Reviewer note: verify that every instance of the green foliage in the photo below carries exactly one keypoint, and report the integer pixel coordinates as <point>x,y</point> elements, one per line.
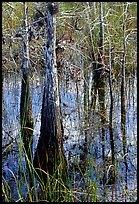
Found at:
<point>49,192</point>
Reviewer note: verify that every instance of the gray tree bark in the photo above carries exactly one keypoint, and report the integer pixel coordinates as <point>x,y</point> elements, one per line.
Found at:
<point>101,86</point>
<point>26,119</point>
<point>49,155</point>
<point>113,178</point>
<point>123,97</point>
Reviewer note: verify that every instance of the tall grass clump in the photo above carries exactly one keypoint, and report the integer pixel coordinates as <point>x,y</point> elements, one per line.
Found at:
<point>30,188</point>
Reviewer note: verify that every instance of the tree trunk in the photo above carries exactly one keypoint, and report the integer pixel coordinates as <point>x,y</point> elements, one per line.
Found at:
<point>101,87</point>
<point>123,110</point>
<point>49,155</point>
<point>111,106</point>
<point>113,178</point>
<point>26,118</point>
<point>94,65</point>
<point>123,96</point>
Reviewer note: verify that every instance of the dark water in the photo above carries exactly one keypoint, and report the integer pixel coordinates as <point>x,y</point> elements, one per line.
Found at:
<point>73,120</point>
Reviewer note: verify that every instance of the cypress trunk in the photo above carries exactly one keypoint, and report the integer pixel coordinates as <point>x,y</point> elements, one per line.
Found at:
<point>123,97</point>
<point>112,178</point>
<point>101,88</point>
<point>49,155</point>
<point>26,119</point>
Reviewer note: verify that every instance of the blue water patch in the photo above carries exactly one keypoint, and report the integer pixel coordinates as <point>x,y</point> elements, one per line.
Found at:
<point>76,132</point>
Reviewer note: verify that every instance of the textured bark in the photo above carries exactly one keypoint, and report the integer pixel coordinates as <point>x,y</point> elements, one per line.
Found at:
<point>123,109</point>
<point>49,155</point>
<point>112,178</point>
<point>94,85</point>
<point>101,87</point>
<point>111,107</point>
<point>26,119</point>
<point>94,65</point>
<point>123,96</point>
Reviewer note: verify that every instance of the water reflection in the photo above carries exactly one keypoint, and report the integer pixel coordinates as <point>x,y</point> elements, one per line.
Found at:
<point>74,136</point>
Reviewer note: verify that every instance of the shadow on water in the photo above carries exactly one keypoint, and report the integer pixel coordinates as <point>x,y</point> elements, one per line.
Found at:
<point>82,138</point>
<point>14,161</point>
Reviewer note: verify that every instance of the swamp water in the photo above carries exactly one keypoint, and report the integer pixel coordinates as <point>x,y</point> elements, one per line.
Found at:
<point>76,130</point>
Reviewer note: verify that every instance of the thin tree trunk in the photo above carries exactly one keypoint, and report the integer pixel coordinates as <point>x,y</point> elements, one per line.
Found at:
<point>49,155</point>
<point>85,92</point>
<point>101,87</point>
<point>26,105</point>
<point>123,95</point>
<point>111,115</point>
<point>94,66</point>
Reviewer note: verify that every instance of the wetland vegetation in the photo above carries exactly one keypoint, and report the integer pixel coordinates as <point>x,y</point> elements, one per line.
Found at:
<point>69,101</point>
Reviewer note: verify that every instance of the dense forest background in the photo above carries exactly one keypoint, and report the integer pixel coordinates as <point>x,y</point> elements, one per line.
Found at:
<point>79,22</point>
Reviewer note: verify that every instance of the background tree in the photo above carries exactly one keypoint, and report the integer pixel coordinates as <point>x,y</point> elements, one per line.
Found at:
<point>123,96</point>
<point>26,118</point>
